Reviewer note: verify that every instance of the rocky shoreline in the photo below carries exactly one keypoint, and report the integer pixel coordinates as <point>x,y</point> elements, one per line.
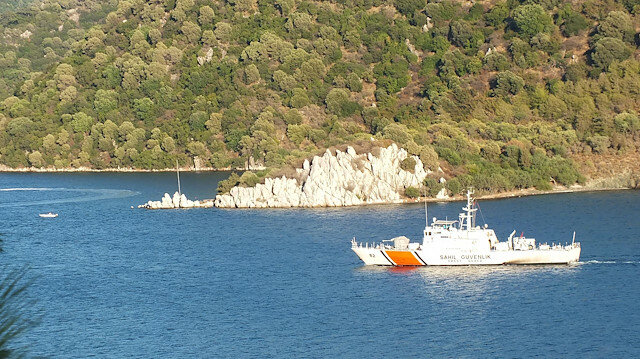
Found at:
<point>520,193</point>
<point>351,179</point>
<point>177,201</point>
<point>334,180</point>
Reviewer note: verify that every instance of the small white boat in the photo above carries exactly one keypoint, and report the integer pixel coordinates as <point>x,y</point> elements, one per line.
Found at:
<point>48,215</point>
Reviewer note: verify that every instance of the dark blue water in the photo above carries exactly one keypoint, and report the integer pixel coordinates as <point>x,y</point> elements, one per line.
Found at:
<point>117,282</point>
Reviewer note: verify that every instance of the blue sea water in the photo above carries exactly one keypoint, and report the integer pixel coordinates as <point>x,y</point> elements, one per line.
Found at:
<point>112,281</point>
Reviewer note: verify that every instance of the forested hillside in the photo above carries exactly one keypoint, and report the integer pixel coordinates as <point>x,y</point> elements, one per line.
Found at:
<point>6,5</point>
<point>500,95</point>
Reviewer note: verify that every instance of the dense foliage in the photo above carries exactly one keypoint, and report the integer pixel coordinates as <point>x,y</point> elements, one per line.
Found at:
<point>8,5</point>
<point>500,95</point>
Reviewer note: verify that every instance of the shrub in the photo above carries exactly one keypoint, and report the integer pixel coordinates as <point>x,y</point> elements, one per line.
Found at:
<point>495,61</point>
<point>249,179</point>
<point>433,186</point>
<point>575,72</point>
<point>412,192</point>
<point>408,164</point>
<point>449,155</point>
<point>626,122</point>
<point>572,22</point>
<point>397,133</point>
<point>429,157</point>
<point>508,83</point>
<point>497,15</point>
<point>543,185</point>
<point>454,186</point>
<point>408,7</point>
<point>225,186</point>
<point>461,33</point>
<point>599,143</point>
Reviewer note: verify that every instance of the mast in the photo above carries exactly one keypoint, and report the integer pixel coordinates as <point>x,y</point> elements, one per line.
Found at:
<point>469,209</point>
<point>178,174</point>
<point>426,217</point>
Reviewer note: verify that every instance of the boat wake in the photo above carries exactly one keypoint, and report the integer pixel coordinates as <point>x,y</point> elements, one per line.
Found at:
<point>610,262</point>
<point>86,195</point>
<point>29,189</point>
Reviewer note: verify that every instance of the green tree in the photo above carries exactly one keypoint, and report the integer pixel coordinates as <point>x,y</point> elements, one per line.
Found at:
<point>191,31</point>
<point>507,83</point>
<point>608,50</point>
<point>336,100</point>
<point>572,22</point>
<point>497,15</point>
<point>206,15</point>
<point>495,61</point>
<point>618,25</point>
<point>531,19</point>
<point>397,133</point>
<point>409,7</point>
<point>81,122</point>
<point>105,101</point>
<point>36,159</point>
<point>627,122</point>
<point>251,74</point>
<point>144,109</point>
<point>225,186</point>
<point>299,98</point>
<point>461,33</point>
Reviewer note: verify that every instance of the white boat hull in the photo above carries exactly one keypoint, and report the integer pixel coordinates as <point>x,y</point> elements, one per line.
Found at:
<point>422,257</point>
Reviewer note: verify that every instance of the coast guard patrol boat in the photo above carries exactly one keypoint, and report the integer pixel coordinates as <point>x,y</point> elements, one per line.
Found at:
<point>461,242</point>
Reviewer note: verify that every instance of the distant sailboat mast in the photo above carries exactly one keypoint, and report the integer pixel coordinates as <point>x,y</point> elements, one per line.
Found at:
<point>426,216</point>
<point>178,174</point>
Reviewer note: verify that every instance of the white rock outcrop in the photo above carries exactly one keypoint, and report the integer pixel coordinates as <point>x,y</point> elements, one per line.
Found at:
<point>343,179</point>
<point>206,58</point>
<point>177,201</point>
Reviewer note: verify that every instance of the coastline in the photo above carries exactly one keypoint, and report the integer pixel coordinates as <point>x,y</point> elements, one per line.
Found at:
<point>502,195</point>
<point>519,193</point>
<point>5,169</point>
<point>622,181</point>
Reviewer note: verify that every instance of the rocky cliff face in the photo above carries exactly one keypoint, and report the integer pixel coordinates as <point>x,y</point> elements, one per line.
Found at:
<point>343,179</point>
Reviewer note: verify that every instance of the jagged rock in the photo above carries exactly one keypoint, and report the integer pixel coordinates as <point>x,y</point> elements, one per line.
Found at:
<point>443,194</point>
<point>343,179</point>
<point>206,58</point>
<point>177,201</point>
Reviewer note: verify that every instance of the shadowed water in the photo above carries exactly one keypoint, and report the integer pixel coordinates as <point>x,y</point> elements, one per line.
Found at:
<point>118,282</point>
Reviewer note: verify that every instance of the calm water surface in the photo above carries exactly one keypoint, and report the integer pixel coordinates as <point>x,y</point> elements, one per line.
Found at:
<point>117,282</point>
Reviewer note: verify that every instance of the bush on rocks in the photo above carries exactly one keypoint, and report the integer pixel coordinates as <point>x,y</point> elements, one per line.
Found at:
<point>433,186</point>
<point>412,192</point>
<point>408,164</point>
<point>225,186</point>
<point>249,179</point>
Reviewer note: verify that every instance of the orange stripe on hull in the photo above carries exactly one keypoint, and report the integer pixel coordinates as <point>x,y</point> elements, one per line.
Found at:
<point>403,258</point>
